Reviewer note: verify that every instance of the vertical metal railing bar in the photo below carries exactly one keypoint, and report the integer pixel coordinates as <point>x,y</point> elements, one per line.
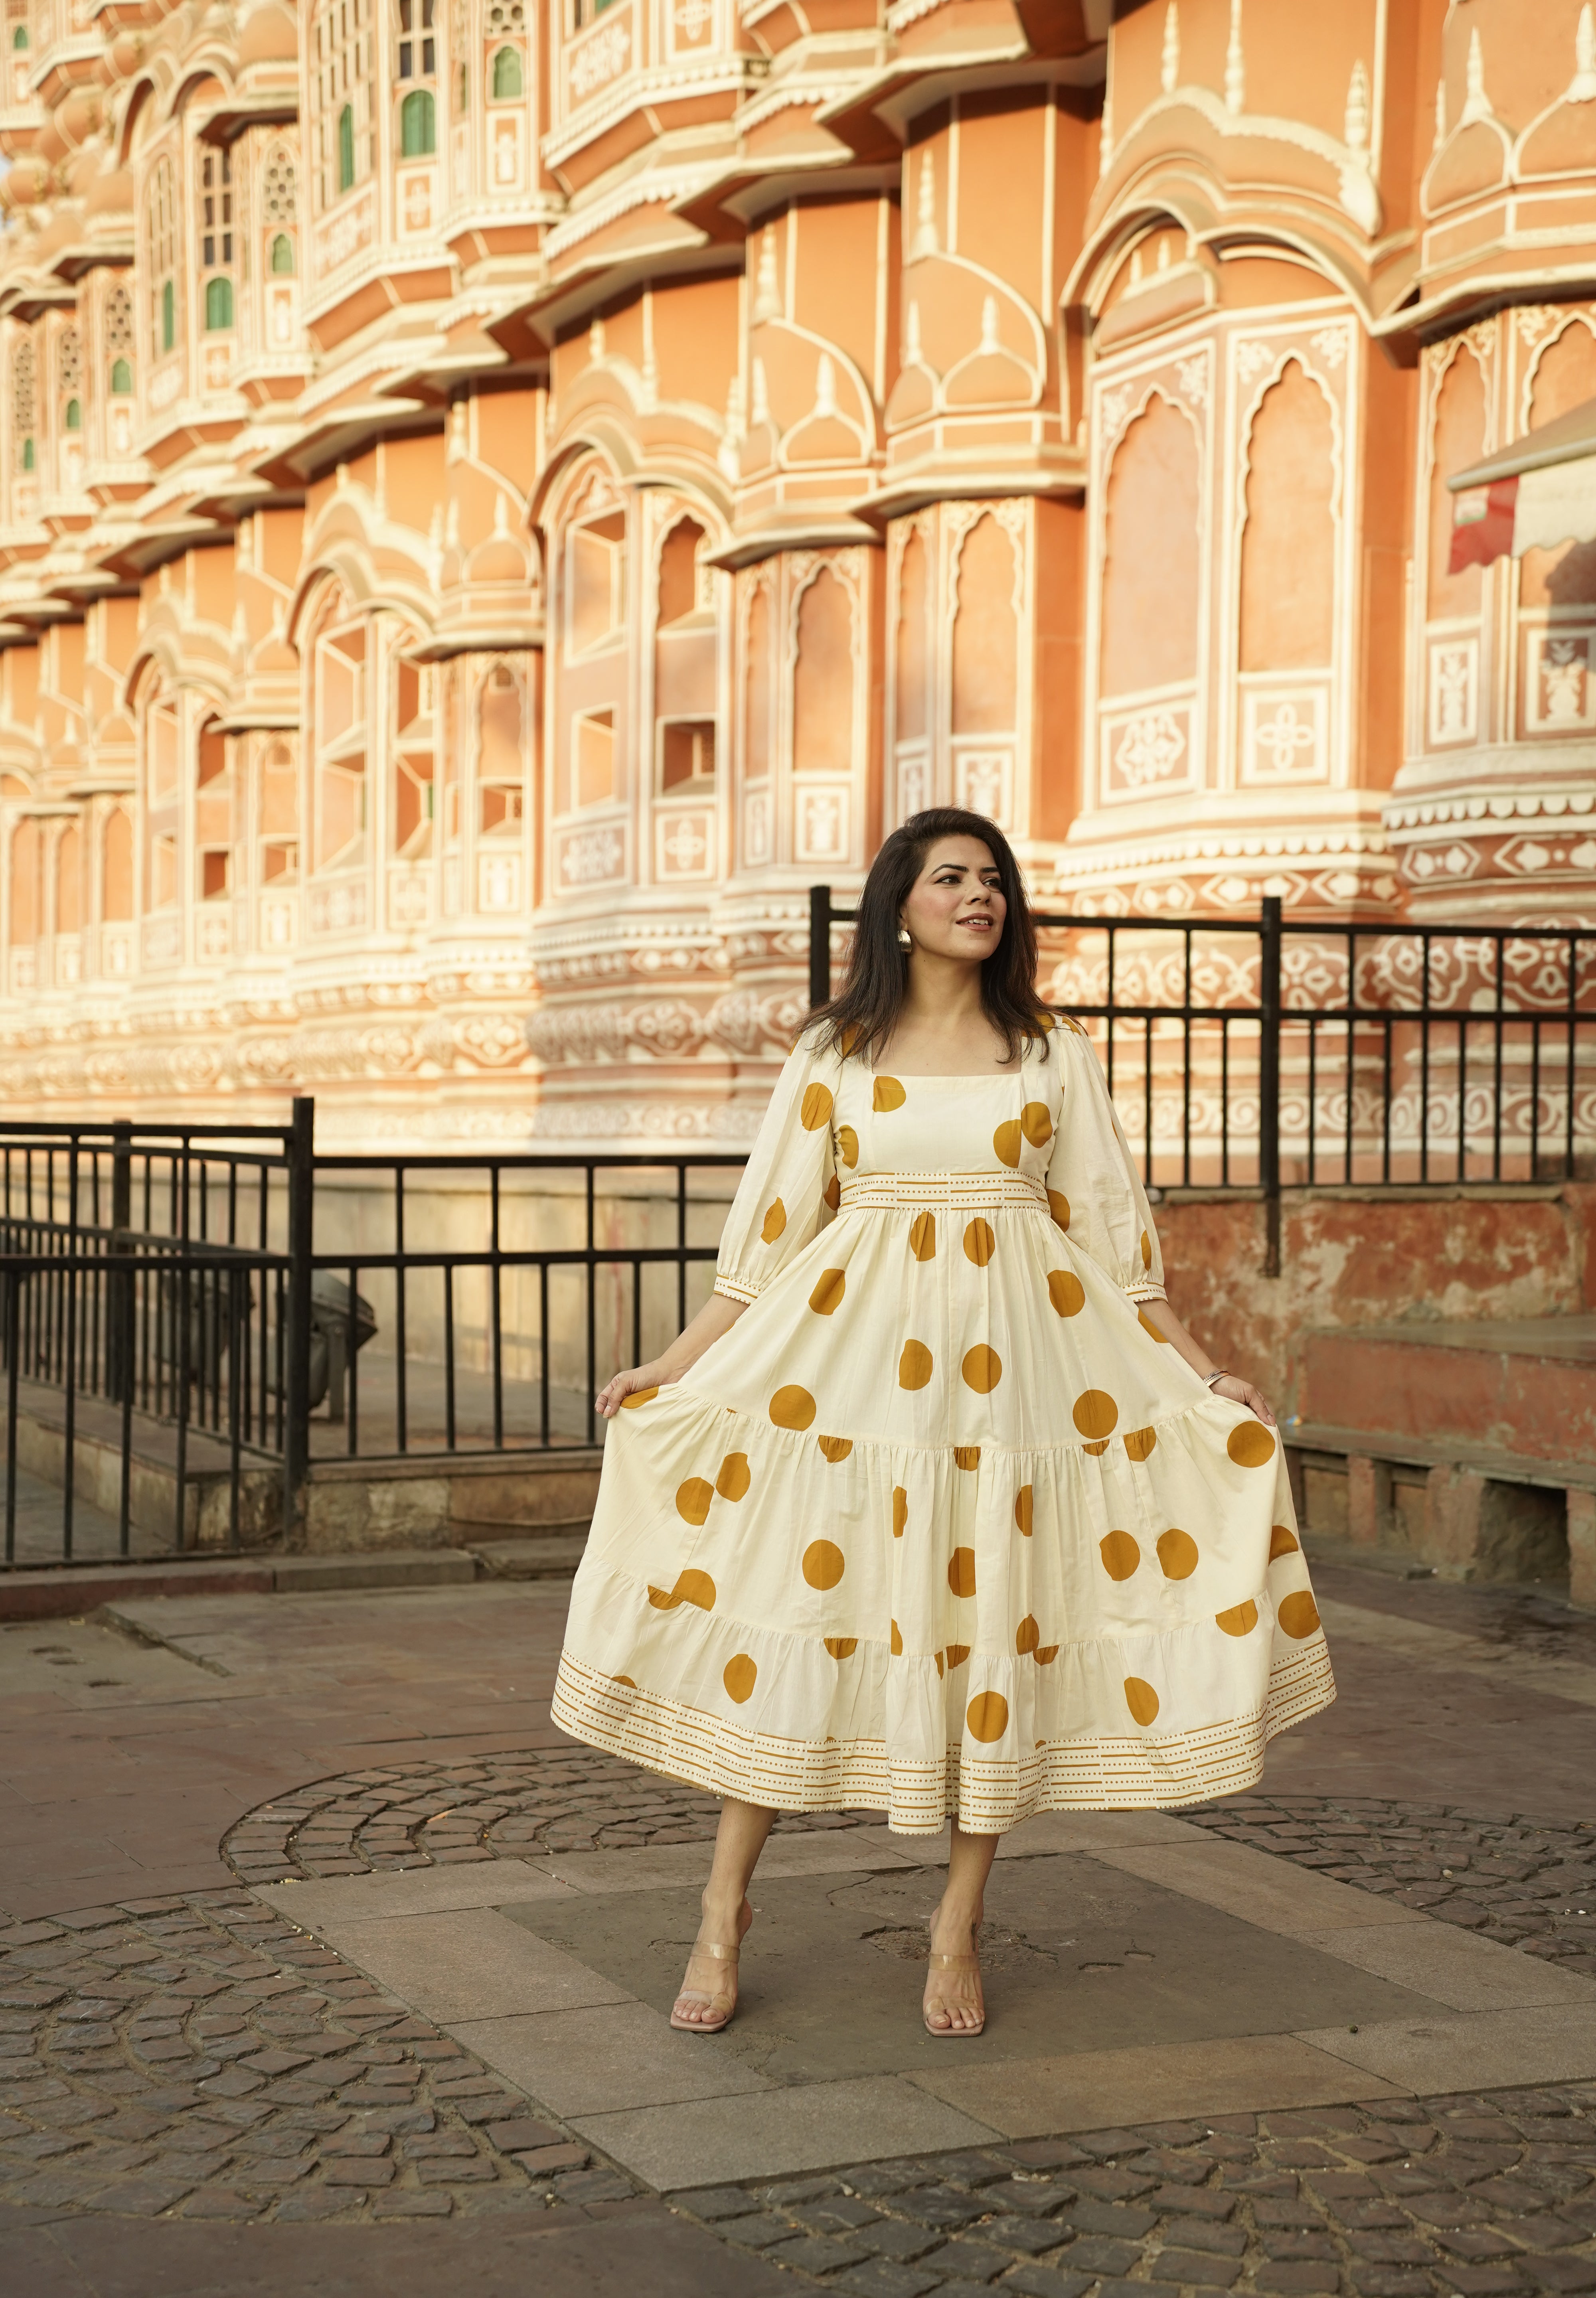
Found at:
<point>544,1352</point>
<point>496,1305</point>
<point>1462,1097</point>
<point>14,1282</point>
<point>1568,1125</point>
<point>1311,1022</point>
<point>681,1246</point>
<point>1424,1060</point>
<point>124,1505</point>
<point>1268,1078</point>
<point>352,1362</point>
<point>637,1310</point>
<point>1185,1045</point>
<point>1534,1097</point>
<point>235,1370</point>
<point>1499,1033</point>
<point>400,1394</point>
<point>295,1389</point>
<point>70,1432</point>
<point>820,946</point>
<point>592,1318</point>
<point>448,1438</point>
<point>1350,1156</point>
<point>181,1297</point>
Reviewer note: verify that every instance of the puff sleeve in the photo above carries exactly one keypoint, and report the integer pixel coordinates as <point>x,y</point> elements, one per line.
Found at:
<point>790,1188</point>
<point>1096,1192</point>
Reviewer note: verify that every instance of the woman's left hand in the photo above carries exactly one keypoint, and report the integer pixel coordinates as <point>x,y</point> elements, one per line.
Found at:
<point>1242,1391</point>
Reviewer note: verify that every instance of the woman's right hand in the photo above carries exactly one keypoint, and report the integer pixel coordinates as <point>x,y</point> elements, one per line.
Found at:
<point>614,1393</point>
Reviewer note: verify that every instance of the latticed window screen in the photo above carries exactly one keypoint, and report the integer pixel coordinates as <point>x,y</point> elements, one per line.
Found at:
<point>279,198</point>
<point>69,378</point>
<point>23,404</point>
<point>119,340</point>
<point>342,83</point>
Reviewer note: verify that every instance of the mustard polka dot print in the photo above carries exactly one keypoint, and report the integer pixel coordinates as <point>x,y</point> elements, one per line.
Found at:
<point>943,1525</point>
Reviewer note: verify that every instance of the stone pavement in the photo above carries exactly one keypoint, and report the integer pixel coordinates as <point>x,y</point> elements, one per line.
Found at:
<point>331,1964</point>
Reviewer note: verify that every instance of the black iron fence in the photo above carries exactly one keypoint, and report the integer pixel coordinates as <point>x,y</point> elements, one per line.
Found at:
<point>1270,1053</point>
<point>193,1317</point>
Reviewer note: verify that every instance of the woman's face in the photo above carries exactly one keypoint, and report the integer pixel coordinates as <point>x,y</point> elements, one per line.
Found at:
<point>955,907</point>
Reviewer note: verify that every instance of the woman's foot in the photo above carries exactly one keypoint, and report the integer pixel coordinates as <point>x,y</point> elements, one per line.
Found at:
<point>954,2003</point>
<point>708,1995</point>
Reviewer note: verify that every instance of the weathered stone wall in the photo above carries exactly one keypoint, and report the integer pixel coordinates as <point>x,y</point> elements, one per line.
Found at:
<point>1352,1257</point>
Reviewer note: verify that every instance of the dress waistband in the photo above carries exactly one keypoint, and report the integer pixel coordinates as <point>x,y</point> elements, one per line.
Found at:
<point>959,1192</point>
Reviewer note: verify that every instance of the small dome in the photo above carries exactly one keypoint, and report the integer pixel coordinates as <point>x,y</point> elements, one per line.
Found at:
<point>274,657</point>
<point>500,560</point>
<point>269,35</point>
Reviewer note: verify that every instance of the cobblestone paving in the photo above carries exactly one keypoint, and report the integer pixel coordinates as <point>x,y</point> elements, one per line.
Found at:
<point>197,2056</point>
<point>1453,2195</point>
<point>493,1807</point>
<point>1529,1883</point>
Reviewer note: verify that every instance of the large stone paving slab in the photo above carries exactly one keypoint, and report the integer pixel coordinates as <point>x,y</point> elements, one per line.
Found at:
<point>1077,1957</point>
<point>797,2127</point>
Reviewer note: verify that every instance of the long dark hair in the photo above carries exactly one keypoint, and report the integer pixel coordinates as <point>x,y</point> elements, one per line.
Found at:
<point>864,1012</point>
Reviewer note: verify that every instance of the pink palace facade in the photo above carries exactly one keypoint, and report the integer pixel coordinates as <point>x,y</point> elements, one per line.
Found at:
<point>498,496</point>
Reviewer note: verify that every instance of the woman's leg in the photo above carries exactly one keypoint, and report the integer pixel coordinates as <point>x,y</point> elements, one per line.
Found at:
<point>738,1840</point>
<point>952,1999</point>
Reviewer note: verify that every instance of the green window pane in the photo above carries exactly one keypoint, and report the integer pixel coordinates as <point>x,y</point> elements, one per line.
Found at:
<point>74,414</point>
<point>19,38</point>
<point>346,148</point>
<point>281,252</point>
<point>218,303</point>
<point>27,454</point>
<point>417,135</point>
<point>507,73</point>
<point>169,315</point>
<point>121,380</point>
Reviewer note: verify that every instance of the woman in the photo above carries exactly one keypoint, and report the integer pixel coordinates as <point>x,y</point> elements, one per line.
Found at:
<point>959,1520</point>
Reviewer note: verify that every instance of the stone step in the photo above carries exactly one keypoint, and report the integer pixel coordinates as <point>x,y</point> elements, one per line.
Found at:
<point>1523,1388</point>
<point>63,1592</point>
<point>1464,1511</point>
<point>547,1558</point>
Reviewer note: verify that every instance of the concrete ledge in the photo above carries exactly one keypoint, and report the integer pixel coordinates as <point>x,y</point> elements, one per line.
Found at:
<point>62,1591</point>
<point>381,1568</point>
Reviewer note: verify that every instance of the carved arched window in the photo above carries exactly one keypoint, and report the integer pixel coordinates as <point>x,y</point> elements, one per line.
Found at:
<point>416,75</point>
<point>341,68</point>
<point>216,237</point>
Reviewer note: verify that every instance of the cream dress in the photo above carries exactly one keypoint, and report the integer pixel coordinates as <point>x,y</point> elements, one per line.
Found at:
<point>941,1525</point>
